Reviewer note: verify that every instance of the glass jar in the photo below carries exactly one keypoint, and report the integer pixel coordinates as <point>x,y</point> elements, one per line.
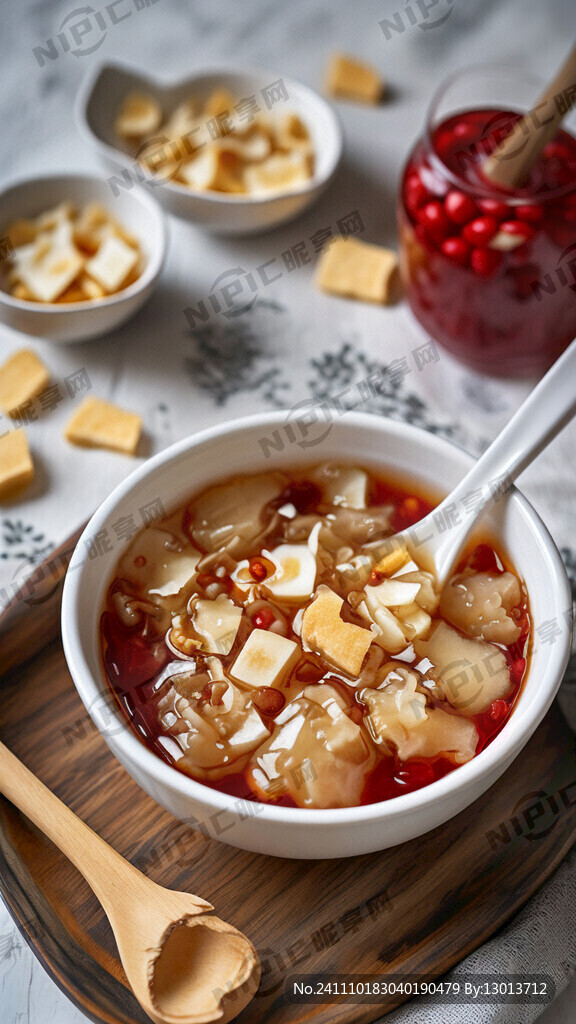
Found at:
<point>490,273</point>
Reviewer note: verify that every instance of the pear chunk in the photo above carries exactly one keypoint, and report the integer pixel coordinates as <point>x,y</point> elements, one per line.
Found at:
<point>323,630</point>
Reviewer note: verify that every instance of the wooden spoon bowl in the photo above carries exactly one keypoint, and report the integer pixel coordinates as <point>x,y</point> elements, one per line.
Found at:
<point>184,965</point>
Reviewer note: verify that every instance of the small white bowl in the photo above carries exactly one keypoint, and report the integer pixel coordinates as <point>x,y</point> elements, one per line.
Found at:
<point>101,97</point>
<point>136,211</point>
<point>238,447</point>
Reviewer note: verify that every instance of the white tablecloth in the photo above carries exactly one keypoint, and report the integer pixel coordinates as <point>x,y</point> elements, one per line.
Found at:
<point>294,343</point>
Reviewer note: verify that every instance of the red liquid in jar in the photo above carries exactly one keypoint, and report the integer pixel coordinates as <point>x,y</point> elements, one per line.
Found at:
<point>490,274</point>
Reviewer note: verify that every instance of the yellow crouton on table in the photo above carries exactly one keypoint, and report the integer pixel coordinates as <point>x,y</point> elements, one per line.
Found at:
<point>99,424</point>
<point>22,377</point>
<point>16,466</point>
<point>358,270</point>
<point>353,79</point>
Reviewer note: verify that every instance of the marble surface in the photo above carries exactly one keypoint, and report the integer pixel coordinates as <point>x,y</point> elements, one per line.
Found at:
<point>294,345</point>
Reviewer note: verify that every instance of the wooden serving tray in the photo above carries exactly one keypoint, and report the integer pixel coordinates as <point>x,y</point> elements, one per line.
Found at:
<point>412,910</point>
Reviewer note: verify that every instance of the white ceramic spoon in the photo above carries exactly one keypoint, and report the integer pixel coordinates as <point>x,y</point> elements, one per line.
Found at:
<point>436,541</point>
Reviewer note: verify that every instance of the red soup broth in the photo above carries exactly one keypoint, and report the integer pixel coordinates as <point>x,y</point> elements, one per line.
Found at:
<point>133,661</point>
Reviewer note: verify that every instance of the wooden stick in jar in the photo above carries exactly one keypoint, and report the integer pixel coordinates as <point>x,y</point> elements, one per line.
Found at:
<point>513,159</point>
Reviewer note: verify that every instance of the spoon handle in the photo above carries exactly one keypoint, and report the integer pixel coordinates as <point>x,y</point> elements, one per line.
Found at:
<point>548,408</point>
<point>90,854</point>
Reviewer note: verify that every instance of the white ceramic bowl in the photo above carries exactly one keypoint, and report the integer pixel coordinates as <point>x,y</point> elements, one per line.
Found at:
<point>190,465</point>
<point>136,211</point>
<point>101,98</point>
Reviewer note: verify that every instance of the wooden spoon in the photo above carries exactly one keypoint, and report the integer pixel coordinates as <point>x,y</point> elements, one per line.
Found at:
<point>436,541</point>
<point>184,966</point>
<point>511,162</point>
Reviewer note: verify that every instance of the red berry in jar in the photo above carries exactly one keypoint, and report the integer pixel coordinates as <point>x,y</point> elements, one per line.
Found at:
<point>517,227</point>
<point>479,231</point>
<point>464,132</point>
<point>557,151</point>
<point>485,262</point>
<point>530,212</point>
<point>459,207</point>
<point>416,194</point>
<point>434,220</point>
<point>494,208</point>
<point>456,249</point>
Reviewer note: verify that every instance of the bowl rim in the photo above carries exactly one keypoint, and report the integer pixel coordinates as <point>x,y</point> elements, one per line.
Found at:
<point>147,277</point>
<point>317,181</point>
<point>501,750</point>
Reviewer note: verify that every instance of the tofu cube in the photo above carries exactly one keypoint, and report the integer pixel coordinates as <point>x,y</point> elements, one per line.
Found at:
<point>358,270</point>
<point>353,79</point>
<point>22,377</point>
<point>52,266</point>
<point>16,466</point>
<point>91,227</point>
<point>99,424</point>
<point>112,263</point>
<point>265,659</point>
<point>344,644</point>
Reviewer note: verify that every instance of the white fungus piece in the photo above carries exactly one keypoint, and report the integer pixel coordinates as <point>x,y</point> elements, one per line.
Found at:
<point>470,673</point>
<point>481,605</point>
<point>217,623</point>
<point>342,485</point>
<point>158,563</point>
<point>230,515</point>
<point>395,706</point>
<point>316,754</point>
<point>443,733</point>
<point>400,720</point>
<point>216,733</point>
